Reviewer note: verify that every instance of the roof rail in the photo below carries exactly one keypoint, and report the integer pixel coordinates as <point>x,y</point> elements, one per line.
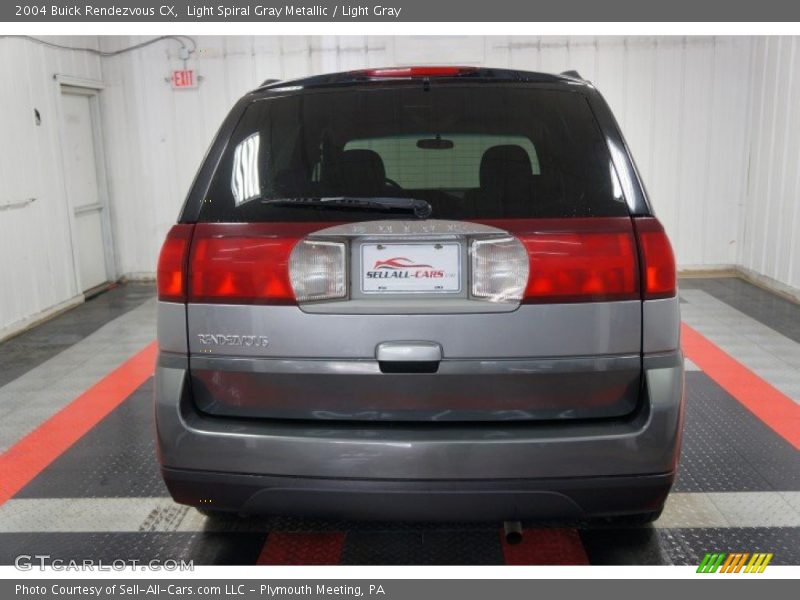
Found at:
<point>572,73</point>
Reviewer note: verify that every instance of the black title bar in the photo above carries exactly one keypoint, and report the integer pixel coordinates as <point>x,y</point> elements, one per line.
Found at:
<point>401,11</point>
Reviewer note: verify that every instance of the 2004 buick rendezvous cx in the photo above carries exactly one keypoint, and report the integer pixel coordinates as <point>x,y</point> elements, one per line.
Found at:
<point>419,293</point>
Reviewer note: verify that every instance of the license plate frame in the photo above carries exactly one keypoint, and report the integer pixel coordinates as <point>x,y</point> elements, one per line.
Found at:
<point>411,268</point>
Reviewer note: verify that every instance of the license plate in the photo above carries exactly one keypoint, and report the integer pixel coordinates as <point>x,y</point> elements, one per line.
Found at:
<point>411,268</point>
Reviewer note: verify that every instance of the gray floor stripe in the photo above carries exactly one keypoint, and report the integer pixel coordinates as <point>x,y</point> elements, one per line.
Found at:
<point>31,348</point>
<point>770,355</point>
<point>41,392</point>
<point>762,305</point>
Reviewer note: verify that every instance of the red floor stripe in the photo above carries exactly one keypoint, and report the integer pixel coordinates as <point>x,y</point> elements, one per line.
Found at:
<point>33,453</point>
<point>769,404</point>
<point>546,547</point>
<point>298,548</point>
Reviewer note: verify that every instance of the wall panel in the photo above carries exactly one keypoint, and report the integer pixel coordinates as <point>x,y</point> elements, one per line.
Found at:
<point>771,228</point>
<point>35,245</point>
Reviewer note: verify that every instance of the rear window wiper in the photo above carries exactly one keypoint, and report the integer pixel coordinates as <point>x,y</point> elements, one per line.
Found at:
<point>421,208</point>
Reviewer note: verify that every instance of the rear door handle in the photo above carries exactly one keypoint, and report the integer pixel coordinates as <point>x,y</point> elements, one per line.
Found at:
<point>408,352</point>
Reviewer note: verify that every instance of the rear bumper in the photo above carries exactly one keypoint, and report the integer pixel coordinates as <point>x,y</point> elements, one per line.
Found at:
<point>490,500</point>
<point>470,471</point>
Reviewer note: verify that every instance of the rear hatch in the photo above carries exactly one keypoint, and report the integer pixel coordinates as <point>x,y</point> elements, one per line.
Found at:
<point>414,251</point>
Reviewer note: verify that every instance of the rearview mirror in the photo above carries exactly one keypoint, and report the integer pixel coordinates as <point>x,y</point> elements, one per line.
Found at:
<point>436,143</point>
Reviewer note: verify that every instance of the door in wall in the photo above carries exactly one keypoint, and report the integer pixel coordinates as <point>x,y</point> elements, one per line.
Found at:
<point>82,172</point>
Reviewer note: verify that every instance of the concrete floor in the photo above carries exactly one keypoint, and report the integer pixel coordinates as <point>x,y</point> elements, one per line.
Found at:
<point>82,480</point>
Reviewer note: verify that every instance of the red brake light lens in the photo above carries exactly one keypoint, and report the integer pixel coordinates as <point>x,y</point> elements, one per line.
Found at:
<point>244,263</point>
<point>659,275</point>
<point>406,72</point>
<point>578,260</point>
<point>171,270</point>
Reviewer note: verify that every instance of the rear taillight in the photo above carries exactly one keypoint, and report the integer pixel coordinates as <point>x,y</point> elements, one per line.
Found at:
<point>540,261</point>
<point>578,260</point>
<point>227,266</point>
<point>658,261</point>
<point>171,270</point>
<point>499,269</point>
<point>317,270</point>
<point>249,263</point>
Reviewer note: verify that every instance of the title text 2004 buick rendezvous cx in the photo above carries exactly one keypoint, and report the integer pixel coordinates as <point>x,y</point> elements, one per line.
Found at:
<point>420,293</point>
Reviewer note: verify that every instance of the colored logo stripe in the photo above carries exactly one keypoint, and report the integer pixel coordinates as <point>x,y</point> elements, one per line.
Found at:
<point>758,563</point>
<point>710,563</point>
<point>733,563</point>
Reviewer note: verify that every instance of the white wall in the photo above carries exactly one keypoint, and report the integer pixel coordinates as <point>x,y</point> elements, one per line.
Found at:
<point>35,248</point>
<point>770,231</point>
<point>682,103</point>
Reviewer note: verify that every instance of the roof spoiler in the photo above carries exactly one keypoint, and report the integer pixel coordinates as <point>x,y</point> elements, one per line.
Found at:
<point>423,72</point>
<point>572,74</point>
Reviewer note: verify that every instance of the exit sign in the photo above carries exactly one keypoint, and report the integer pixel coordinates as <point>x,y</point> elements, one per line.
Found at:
<point>185,79</point>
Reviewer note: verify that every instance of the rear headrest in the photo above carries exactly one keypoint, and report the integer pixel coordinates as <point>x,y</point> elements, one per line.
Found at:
<point>361,172</point>
<point>500,164</point>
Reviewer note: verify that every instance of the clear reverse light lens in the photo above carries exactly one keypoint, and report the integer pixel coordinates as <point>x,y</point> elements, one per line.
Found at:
<point>317,270</point>
<point>499,269</point>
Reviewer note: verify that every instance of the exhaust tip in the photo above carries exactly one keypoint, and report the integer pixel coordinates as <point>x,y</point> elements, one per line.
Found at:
<point>513,532</point>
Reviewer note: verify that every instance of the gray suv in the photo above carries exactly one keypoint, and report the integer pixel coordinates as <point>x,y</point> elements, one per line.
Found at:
<point>419,293</point>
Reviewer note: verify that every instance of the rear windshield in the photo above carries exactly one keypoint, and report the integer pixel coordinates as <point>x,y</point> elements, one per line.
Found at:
<point>472,152</point>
